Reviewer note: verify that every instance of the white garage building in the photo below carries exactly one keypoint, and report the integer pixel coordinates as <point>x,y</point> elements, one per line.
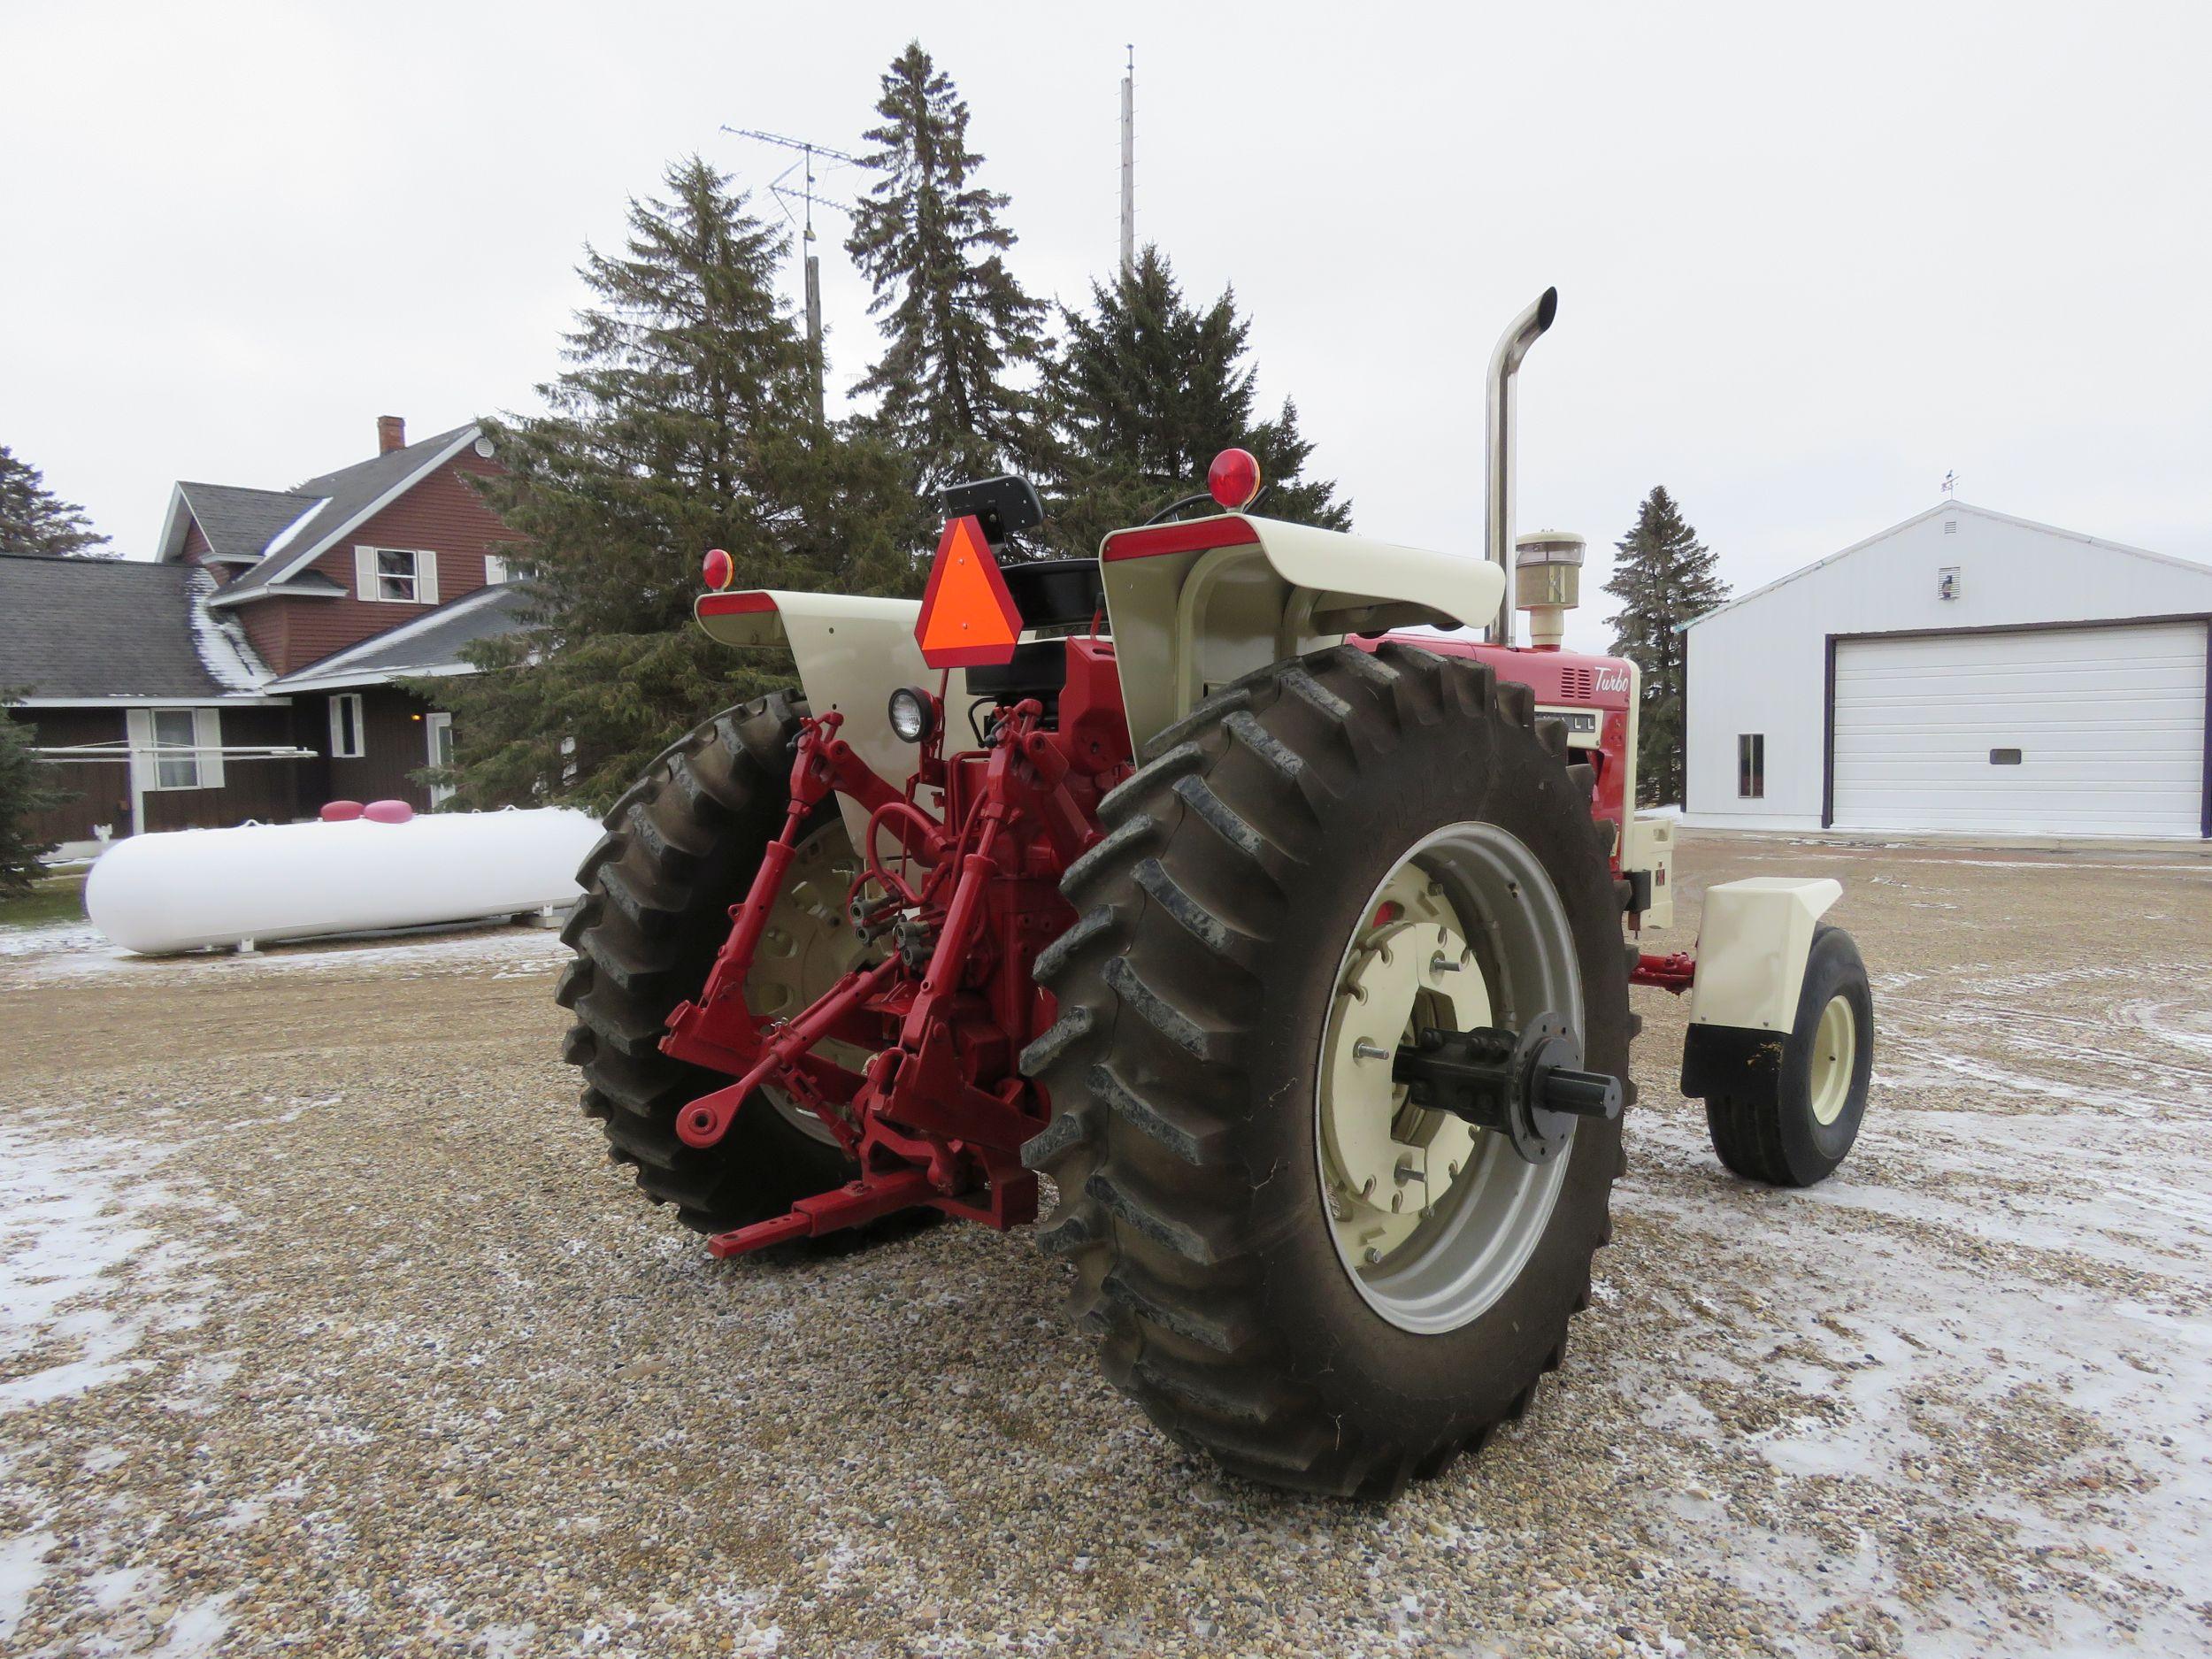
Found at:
<point>1963,671</point>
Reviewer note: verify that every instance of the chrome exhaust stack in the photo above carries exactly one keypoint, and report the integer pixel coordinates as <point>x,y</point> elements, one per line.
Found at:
<point>1505,362</point>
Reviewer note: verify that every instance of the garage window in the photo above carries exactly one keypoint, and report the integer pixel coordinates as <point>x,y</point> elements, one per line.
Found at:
<point>1751,765</point>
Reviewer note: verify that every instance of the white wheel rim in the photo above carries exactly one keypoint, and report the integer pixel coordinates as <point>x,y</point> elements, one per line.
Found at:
<point>1435,1266</point>
<point>1835,1056</point>
<point>808,945</point>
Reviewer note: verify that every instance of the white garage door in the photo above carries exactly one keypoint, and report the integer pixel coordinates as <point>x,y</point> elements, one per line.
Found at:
<point>2076,731</point>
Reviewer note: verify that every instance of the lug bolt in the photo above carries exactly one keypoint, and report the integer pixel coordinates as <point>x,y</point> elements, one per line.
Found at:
<point>1441,963</point>
<point>1365,1050</point>
<point>1374,1256</point>
<point>1407,1172</point>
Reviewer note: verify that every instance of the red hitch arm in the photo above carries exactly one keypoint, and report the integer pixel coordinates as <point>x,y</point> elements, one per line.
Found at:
<point>1673,974</point>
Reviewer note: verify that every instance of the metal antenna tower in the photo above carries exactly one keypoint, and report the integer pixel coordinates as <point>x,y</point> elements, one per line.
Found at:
<point>803,194</point>
<point>1129,166</point>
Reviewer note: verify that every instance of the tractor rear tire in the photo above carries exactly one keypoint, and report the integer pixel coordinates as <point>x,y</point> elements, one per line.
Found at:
<point>680,848</point>
<point>1195,995</point>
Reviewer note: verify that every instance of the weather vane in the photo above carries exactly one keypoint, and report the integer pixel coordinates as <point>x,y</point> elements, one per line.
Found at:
<point>1951,484</point>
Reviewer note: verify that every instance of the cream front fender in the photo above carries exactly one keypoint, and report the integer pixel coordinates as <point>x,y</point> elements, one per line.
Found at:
<point>852,653</point>
<point>1752,947</point>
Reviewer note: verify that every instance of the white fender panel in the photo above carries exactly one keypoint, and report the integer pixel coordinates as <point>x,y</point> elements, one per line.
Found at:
<point>853,652</point>
<point>1752,947</point>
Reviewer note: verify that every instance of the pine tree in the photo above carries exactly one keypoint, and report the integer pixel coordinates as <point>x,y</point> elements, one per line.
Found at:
<point>34,519</point>
<point>683,423</point>
<point>1664,578</point>
<point>1146,392</point>
<point>929,241</point>
<point>26,786</point>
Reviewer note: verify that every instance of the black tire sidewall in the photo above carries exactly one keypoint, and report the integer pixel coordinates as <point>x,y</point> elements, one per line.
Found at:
<point>1454,770</point>
<point>1811,1148</point>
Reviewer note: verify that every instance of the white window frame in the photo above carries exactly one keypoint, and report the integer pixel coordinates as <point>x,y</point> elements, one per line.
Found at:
<point>495,571</point>
<point>202,754</point>
<point>338,749</point>
<point>433,723</point>
<point>417,585</point>
<point>1751,765</point>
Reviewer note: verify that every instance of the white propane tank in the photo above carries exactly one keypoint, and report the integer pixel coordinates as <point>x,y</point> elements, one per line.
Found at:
<point>181,889</point>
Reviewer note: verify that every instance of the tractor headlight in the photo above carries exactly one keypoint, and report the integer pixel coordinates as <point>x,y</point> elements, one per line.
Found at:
<point>912,714</point>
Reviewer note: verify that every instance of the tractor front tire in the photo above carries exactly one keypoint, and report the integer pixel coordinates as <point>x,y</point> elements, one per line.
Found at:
<point>680,848</point>
<point>1786,1114</point>
<point>1196,1140</point>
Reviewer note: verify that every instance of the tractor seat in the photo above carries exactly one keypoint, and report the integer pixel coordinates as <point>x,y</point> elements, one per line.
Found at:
<point>1055,593</point>
<point>1059,596</point>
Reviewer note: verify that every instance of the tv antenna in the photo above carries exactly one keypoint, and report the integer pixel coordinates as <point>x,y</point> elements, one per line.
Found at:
<point>786,193</point>
<point>1129,167</point>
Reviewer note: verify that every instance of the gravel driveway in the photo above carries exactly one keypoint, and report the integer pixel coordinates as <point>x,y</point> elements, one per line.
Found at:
<point>325,1329</point>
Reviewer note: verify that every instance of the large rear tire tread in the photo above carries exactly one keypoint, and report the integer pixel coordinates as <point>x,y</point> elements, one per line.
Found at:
<point>680,848</point>
<point>1175,1197</point>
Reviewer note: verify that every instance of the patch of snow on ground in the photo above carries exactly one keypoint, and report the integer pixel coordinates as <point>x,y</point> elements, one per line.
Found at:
<point>88,1265</point>
<point>22,1570</point>
<point>57,938</point>
<point>503,951</point>
<point>1997,1315</point>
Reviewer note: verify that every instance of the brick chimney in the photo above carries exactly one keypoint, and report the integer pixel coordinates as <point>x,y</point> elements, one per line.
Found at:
<point>391,433</point>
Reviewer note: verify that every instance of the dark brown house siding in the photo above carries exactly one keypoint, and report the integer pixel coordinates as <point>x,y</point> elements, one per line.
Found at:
<point>396,740</point>
<point>442,513</point>
<point>267,791</point>
<point>101,790</point>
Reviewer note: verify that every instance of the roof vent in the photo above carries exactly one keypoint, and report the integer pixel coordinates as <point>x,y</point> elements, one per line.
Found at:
<point>391,433</point>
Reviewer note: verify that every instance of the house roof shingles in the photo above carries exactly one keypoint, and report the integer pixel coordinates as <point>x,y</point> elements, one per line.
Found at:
<point>240,523</point>
<point>428,644</point>
<point>101,630</point>
<point>345,494</point>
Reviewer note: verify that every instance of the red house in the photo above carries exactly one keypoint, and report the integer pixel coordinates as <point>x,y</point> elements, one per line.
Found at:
<point>250,670</point>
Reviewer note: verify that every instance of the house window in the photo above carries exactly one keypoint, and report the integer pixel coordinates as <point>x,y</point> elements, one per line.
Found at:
<point>392,575</point>
<point>438,734</point>
<point>495,570</point>
<point>346,735</point>
<point>176,750</point>
<point>1751,765</point>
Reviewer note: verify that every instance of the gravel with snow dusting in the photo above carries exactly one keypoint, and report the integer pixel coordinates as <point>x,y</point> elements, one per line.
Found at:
<point>324,1329</point>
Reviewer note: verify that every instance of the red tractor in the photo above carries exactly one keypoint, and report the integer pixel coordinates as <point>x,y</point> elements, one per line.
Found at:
<point>1291,947</point>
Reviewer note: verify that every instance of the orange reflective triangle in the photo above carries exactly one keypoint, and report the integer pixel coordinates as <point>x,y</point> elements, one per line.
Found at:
<point>968,618</point>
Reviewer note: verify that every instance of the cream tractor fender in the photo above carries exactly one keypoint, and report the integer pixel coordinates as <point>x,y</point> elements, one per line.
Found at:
<point>1752,947</point>
<point>852,653</point>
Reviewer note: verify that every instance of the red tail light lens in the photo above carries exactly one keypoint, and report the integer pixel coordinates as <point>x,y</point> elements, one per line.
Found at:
<point>719,568</point>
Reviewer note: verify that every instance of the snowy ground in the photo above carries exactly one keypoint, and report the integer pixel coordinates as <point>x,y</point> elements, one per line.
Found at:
<point>322,1330</point>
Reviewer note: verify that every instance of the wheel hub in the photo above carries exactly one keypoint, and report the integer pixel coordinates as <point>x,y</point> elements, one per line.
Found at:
<point>1527,1085</point>
<point>807,946</point>
<point>1389,1161</point>
<point>1434,1204</point>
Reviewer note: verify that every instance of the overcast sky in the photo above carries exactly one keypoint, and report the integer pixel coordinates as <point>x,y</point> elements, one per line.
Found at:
<point>1808,259</point>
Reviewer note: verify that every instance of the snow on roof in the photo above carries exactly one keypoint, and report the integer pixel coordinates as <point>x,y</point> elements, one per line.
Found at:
<point>284,537</point>
<point>222,645</point>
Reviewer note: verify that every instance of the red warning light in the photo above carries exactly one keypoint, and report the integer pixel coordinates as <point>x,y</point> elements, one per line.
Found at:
<point>719,568</point>
<point>1233,479</point>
